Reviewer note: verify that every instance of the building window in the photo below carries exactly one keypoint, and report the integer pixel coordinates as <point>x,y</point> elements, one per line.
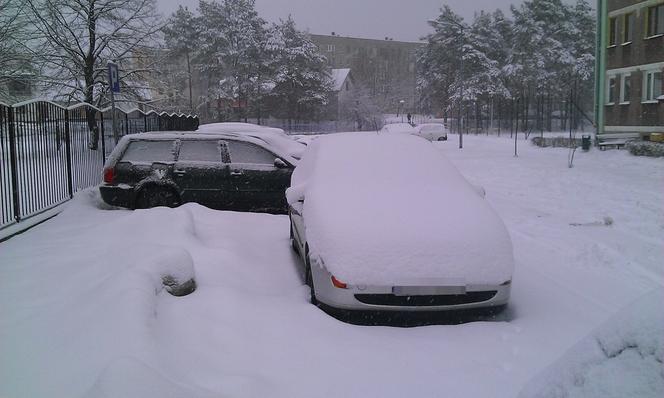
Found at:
<point>330,48</point>
<point>628,28</point>
<point>611,90</point>
<point>655,21</point>
<point>652,87</point>
<point>625,89</point>
<point>613,31</point>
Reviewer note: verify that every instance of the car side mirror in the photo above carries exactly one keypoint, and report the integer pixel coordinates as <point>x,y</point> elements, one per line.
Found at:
<point>280,164</point>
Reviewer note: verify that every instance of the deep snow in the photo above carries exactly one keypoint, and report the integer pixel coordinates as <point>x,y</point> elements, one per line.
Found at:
<point>82,312</point>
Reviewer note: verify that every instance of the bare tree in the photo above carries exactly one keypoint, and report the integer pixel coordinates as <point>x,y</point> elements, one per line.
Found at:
<point>80,36</point>
<point>15,55</point>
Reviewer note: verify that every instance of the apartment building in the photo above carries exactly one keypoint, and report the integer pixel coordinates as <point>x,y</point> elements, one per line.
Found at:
<point>630,69</point>
<point>387,68</point>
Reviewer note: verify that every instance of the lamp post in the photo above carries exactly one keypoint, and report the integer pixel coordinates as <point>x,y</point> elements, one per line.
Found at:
<point>462,74</point>
<point>401,102</point>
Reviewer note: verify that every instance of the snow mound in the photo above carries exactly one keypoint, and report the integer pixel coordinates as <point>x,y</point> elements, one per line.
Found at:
<point>386,209</point>
<point>130,378</point>
<point>623,358</point>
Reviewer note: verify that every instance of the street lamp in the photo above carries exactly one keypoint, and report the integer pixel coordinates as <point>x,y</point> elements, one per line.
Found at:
<point>399,107</point>
<point>462,73</point>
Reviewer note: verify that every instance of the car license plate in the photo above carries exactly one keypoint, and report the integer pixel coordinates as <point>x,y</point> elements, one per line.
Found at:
<point>427,290</point>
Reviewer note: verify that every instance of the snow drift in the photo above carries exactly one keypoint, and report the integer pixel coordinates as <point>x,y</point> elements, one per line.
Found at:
<point>623,358</point>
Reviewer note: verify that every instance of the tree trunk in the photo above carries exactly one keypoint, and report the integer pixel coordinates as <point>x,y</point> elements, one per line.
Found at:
<point>191,97</point>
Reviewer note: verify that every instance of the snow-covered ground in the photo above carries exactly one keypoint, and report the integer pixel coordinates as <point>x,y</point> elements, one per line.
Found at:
<point>82,313</point>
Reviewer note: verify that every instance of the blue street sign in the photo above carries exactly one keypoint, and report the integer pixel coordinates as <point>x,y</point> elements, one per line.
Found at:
<point>113,77</point>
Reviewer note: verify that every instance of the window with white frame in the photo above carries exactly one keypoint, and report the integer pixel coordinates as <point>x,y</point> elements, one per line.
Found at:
<point>613,31</point>
<point>331,48</point>
<point>628,28</point>
<point>652,85</point>
<point>611,90</point>
<point>625,89</point>
<point>655,21</point>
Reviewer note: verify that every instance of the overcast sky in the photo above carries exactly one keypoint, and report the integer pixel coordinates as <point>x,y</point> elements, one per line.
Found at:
<point>399,19</point>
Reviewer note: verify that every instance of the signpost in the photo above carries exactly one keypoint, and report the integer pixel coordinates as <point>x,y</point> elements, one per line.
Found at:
<point>114,84</point>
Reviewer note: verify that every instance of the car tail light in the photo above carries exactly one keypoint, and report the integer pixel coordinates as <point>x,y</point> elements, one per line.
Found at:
<point>337,283</point>
<point>109,175</point>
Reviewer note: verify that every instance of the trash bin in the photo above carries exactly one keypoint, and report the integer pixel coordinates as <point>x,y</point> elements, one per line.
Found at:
<point>585,142</point>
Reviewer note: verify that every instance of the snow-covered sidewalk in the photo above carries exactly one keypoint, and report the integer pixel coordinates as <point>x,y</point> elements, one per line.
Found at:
<point>82,312</point>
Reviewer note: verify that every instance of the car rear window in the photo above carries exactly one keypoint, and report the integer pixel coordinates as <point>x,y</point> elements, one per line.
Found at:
<point>200,151</point>
<point>245,152</point>
<point>149,151</point>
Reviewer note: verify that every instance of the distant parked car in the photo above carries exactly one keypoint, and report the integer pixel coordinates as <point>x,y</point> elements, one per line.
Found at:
<point>432,131</point>
<point>398,128</point>
<point>377,235</point>
<point>273,136</point>
<point>220,171</point>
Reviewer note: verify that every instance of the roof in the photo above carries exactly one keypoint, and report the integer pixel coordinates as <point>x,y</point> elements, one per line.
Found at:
<point>339,76</point>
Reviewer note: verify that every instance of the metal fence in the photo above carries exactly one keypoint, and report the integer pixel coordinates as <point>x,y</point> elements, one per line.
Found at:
<point>49,152</point>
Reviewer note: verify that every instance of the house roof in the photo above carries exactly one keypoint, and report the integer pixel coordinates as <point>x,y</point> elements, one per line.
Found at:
<point>339,76</point>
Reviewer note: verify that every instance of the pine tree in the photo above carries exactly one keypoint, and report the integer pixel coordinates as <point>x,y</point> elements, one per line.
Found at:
<point>301,80</point>
<point>181,35</point>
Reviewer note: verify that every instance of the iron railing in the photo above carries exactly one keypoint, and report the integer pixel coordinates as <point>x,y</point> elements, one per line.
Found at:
<point>49,152</point>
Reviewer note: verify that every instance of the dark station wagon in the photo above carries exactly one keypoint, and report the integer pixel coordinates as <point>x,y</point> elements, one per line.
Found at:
<point>222,171</point>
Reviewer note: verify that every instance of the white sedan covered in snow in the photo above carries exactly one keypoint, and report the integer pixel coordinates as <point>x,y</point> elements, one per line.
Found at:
<point>385,222</point>
<point>432,131</point>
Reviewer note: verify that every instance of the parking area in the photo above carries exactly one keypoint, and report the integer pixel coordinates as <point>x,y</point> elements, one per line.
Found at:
<point>84,312</point>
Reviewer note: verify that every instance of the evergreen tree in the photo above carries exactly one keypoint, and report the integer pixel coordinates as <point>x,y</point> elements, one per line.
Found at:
<point>301,80</point>
<point>181,35</point>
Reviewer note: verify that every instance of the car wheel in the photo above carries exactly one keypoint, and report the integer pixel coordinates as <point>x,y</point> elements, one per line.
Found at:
<point>156,196</point>
<point>442,138</point>
<point>308,278</point>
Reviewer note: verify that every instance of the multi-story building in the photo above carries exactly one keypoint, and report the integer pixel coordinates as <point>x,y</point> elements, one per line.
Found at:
<point>387,68</point>
<point>630,87</point>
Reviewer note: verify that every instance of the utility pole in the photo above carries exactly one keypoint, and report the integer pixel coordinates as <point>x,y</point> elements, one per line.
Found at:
<point>462,74</point>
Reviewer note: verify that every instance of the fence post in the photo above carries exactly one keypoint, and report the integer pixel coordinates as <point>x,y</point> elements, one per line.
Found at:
<point>103,139</point>
<point>126,124</point>
<point>145,123</point>
<point>70,183</point>
<point>14,163</point>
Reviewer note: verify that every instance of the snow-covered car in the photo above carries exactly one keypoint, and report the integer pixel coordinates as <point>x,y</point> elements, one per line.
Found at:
<point>271,135</point>
<point>220,171</point>
<point>431,131</point>
<point>384,222</point>
<point>403,128</point>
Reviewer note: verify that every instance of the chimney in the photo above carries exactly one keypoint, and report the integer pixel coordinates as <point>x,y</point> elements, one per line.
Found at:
<point>333,34</point>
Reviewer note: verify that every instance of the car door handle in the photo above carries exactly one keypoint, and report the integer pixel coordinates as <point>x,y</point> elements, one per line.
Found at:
<point>180,172</point>
<point>236,173</point>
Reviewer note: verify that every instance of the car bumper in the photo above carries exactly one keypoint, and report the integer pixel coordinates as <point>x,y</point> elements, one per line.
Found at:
<point>117,195</point>
<point>382,298</point>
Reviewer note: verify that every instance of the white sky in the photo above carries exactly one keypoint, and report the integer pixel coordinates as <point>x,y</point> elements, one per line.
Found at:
<point>399,19</point>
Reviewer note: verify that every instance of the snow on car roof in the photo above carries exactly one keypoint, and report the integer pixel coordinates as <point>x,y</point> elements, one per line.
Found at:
<point>398,128</point>
<point>386,209</point>
<point>271,135</point>
<point>237,127</point>
<point>189,135</point>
